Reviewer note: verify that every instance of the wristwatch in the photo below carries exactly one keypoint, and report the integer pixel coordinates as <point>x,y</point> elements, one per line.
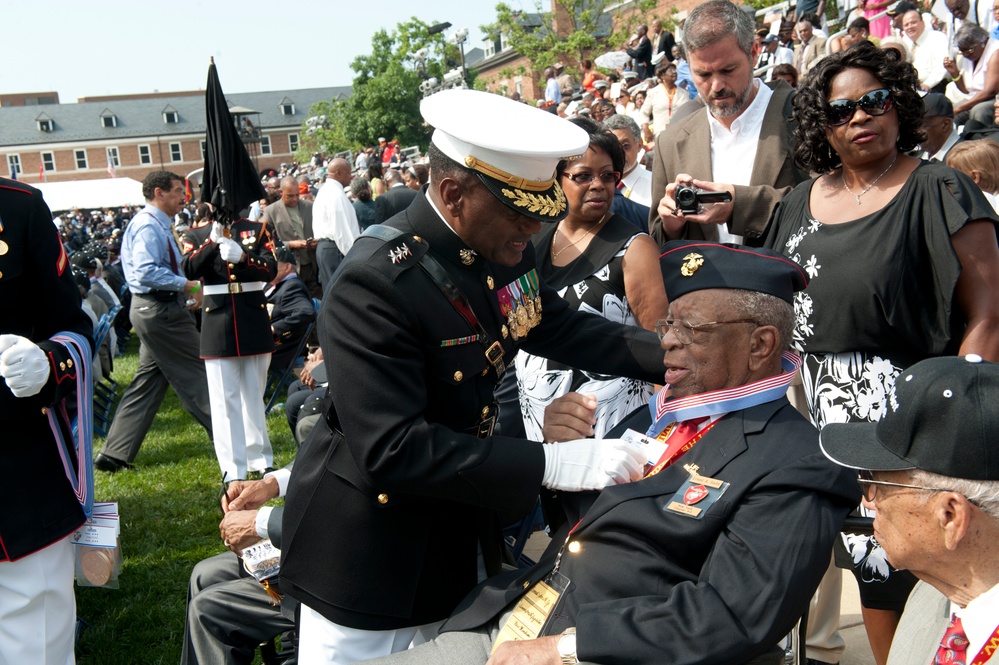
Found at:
<point>567,647</point>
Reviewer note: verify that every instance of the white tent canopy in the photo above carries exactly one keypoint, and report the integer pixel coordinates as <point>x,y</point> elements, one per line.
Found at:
<point>104,193</point>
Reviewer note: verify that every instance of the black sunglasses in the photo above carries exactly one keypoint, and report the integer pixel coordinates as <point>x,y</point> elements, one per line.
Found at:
<point>876,102</point>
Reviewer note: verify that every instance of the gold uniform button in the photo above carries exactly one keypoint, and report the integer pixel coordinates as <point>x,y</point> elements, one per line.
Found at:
<point>44,410</point>
<point>62,366</point>
<point>232,277</point>
<point>490,283</point>
<point>383,499</point>
<point>69,363</point>
<point>417,239</point>
<point>1,274</point>
<point>458,376</point>
<point>527,583</point>
<point>485,371</point>
<point>231,266</point>
<point>574,547</point>
<point>504,332</point>
<point>485,412</point>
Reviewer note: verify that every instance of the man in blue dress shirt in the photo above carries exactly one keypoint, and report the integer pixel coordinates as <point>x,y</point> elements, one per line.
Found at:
<point>169,340</point>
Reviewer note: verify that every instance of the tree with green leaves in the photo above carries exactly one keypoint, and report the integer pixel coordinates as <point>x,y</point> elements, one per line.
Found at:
<point>385,99</point>
<point>574,30</point>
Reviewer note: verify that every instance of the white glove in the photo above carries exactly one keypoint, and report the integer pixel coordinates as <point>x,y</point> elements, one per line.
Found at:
<point>230,250</point>
<point>23,365</point>
<point>217,234</point>
<point>591,464</point>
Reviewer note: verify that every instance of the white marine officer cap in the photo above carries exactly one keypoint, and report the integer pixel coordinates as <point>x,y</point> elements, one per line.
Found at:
<point>513,148</point>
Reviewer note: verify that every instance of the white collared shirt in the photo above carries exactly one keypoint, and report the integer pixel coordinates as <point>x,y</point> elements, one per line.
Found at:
<point>948,144</point>
<point>928,55</point>
<point>733,150</point>
<point>638,185</point>
<point>333,216</point>
<point>979,619</point>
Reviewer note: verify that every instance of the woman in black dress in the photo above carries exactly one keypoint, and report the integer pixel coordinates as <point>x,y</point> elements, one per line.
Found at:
<point>902,258</point>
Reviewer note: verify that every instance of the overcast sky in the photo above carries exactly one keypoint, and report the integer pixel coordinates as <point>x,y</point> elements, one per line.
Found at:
<point>97,47</point>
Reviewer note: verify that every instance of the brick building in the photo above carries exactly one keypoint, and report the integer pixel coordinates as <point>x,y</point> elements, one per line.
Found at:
<point>136,134</point>
<point>500,57</point>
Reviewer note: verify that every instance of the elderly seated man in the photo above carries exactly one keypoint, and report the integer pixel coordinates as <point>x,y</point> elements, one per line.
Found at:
<point>931,470</point>
<point>712,557</point>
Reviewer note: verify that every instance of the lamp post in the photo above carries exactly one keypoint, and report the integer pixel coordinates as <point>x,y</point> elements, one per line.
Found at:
<point>458,38</point>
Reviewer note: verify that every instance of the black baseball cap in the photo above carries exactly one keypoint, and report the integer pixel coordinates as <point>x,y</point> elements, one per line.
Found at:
<point>900,8</point>
<point>941,417</point>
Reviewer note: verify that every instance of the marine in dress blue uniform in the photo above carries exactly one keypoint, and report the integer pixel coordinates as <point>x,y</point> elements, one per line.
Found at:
<point>236,340</point>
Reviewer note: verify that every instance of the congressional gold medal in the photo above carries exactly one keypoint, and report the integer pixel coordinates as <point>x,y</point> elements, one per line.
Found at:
<point>97,566</point>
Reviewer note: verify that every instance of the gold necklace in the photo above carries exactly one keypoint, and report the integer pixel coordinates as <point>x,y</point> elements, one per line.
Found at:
<point>842,176</point>
<point>573,243</point>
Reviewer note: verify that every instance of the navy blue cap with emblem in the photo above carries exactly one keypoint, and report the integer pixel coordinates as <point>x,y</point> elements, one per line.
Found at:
<point>941,417</point>
<point>693,265</point>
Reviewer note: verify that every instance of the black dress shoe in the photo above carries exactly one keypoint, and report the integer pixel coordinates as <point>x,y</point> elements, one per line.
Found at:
<point>110,464</point>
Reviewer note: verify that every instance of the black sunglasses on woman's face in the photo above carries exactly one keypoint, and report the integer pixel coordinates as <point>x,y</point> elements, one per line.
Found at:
<point>875,102</point>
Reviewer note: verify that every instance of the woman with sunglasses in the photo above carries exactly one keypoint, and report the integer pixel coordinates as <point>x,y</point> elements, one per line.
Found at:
<point>600,263</point>
<point>902,257</point>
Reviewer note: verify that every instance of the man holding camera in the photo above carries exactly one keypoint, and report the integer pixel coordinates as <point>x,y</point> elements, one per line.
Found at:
<point>740,144</point>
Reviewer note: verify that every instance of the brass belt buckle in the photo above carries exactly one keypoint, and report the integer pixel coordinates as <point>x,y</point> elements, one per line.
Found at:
<point>235,287</point>
<point>494,354</point>
<point>486,427</point>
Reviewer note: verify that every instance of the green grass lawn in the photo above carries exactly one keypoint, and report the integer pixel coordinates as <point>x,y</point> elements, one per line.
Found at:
<point>169,522</point>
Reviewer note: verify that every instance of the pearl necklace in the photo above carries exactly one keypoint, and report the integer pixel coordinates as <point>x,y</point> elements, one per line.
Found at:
<point>573,243</point>
<point>842,176</point>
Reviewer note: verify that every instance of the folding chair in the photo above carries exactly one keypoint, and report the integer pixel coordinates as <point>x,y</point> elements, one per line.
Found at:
<point>278,380</point>
<point>516,535</point>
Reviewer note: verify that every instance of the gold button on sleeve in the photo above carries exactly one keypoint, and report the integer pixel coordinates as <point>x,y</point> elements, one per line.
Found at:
<point>383,499</point>
<point>458,376</point>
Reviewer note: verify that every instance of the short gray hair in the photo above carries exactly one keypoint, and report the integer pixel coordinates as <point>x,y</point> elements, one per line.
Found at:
<point>767,310</point>
<point>969,35</point>
<point>982,493</point>
<point>713,21</point>
<point>618,121</point>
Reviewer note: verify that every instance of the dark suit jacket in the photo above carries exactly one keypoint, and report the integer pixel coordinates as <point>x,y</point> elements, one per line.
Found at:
<point>393,201</point>
<point>393,490</point>
<point>277,214</point>
<point>685,147</point>
<point>642,55</point>
<point>291,314</point>
<point>666,44</point>
<point>648,585</point>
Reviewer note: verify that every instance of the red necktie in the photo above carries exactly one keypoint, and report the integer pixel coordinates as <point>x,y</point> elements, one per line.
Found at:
<point>954,645</point>
<point>682,434</point>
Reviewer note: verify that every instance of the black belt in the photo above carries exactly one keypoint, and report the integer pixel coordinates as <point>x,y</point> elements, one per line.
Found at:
<point>161,296</point>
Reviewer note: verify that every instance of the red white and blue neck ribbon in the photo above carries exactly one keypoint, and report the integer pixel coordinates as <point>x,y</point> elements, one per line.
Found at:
<point>666,410</point>
<point>78,440</point>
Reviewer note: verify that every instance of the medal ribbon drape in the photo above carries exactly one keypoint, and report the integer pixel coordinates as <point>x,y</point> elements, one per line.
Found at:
<point>666,410</point>
<point>679,440</point>
<point>82,476</point>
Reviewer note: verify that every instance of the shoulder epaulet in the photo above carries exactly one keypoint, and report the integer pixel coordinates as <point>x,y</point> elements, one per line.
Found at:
<point>399,248</point>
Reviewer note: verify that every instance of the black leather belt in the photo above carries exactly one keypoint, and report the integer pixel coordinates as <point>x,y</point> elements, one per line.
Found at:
<point>161,296</point>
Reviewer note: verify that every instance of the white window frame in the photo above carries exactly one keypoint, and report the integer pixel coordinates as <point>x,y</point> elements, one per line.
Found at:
<point>265,145</point>
<point>113,118</point>
<point>46,125</point>
<point>148,156</point>
<point>288,108</point>
<point>76,159</point>
<point>293,143</point>
<point>51,161</point>
<point>168,114</point>
<point>14,164</point>
<point>113,156</point>
<point>180,152</point>
<point>204,149</point>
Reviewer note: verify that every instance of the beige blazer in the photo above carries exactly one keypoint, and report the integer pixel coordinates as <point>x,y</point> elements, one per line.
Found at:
<point>685,147</point>
<point>277,214</point>
<point>923,624</point>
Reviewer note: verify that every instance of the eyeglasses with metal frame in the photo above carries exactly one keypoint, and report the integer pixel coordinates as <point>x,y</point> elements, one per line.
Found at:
<point>684,331</point>
<point>869,486</point>
<point>875,103</point>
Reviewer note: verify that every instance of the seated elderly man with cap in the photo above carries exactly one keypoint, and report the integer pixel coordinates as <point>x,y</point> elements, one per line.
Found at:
<point>394,507</point>
<point>713,555</point>
<point>930,468</point>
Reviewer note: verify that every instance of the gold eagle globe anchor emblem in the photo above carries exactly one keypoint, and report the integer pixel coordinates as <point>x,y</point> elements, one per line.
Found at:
<point>691,263</point>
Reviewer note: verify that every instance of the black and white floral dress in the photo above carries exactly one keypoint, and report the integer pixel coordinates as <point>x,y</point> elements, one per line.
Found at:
<point>880,298</point>
<point>594,282</point>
